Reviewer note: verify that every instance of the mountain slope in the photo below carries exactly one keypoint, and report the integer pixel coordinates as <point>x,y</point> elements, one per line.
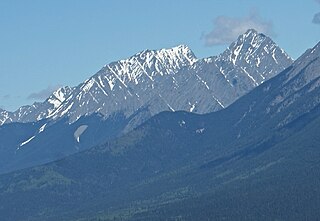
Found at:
<point>278,184</point>
<point>178,165</point>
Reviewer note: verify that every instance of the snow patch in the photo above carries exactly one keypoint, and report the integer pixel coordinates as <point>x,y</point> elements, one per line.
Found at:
<point>66,110</point>
<point>274,56</point>
<point>42,128</point>
<point>55,102</point>
<point>192,107</point>
<point>258,62</point>
<point>25,142</point>
<point>219,102</point>
<point>200,131</point>
<point>182,123</point>
<point>111,84</point>
<point>254,81</point>
<point>236,53</point>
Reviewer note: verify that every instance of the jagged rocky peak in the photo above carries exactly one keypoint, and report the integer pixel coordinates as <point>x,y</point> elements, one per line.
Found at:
<point>150,63</point>
<point>254,44</point>
<point>62,92</point>
<point>257,54</point>
<point>59,95</point>
<point>180,53</point>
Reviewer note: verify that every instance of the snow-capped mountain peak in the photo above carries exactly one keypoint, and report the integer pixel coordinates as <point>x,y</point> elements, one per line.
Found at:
<point>253,44</point>
<point>151,63</point>
<point>256,54</point>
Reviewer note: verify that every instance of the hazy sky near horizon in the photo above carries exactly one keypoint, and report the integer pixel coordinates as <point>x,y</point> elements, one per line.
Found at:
<point>46,44</point>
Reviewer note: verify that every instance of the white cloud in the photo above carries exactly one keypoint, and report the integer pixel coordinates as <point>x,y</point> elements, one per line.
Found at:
<point>227,29</point>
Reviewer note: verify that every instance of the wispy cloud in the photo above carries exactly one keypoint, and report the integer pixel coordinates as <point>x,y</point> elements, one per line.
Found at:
<point>227,29</point>
<point>43,94</point>
<point>316,17</point>
<point>6,97</point>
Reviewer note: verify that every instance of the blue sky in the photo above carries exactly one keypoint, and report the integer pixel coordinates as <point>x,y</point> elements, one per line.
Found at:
<point>45,44</point>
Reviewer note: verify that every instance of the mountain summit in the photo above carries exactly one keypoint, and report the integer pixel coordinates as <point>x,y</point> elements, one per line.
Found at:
<point>257,55</point>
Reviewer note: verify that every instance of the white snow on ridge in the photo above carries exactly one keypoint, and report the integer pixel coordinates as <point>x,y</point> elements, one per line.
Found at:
<point>111,84</point>
<point>56,103</point>
<point>236,53</point>
<point>58,97</point>
<point>258,62</point>
<point>59,94</point>
<point>66,110</point>
<point>274,56</point>
<point>150,63</point>
<point>254,81</point>
<point>88,85</point>
<point>102,89</point>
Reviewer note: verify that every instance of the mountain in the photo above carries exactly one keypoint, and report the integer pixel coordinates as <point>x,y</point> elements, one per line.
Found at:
<point>258,159</point>
<point>126,93</point>
<point>174,79</point>
<point>166,79</point>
